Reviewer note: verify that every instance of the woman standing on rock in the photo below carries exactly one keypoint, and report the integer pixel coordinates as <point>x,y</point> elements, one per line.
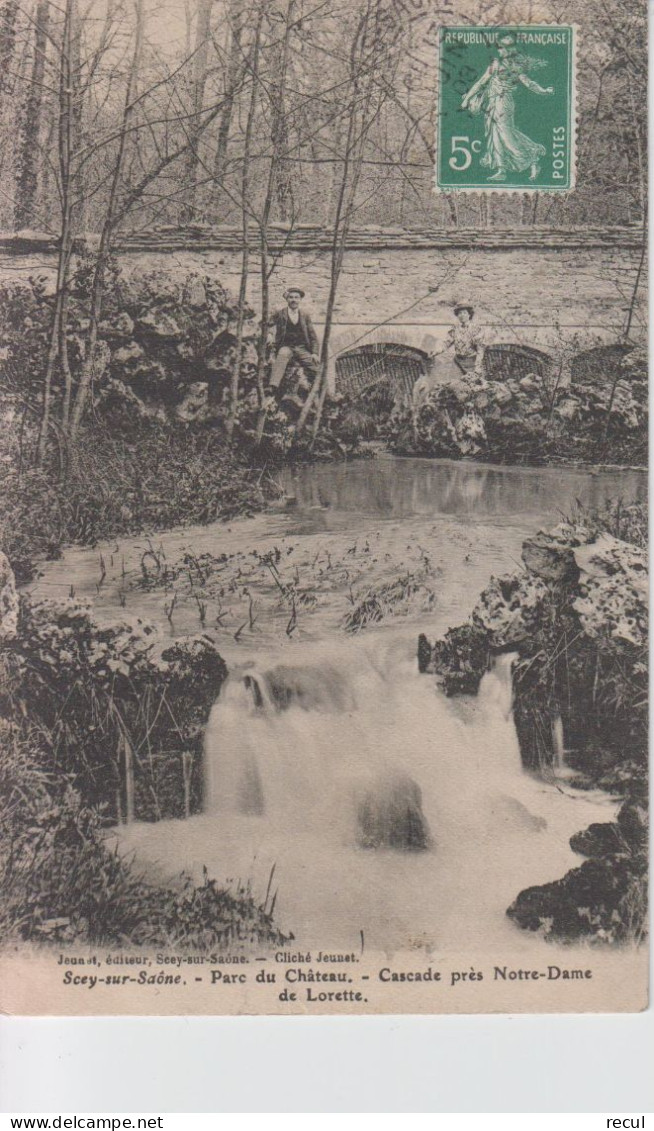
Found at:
<point>468,344</point>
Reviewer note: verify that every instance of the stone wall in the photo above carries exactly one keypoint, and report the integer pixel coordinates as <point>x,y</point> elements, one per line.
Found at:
<point>534,287</point>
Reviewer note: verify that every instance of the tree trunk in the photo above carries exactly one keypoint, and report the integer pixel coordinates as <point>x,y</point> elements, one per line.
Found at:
<point>202,38</point>
<point>30,149</point>
<point>353,163</point>
<point>245,218</point>
<point>278,95</point>
<point>106,235</point>
<point>7,43</point>
<point>234,74</point>
<point>58,326</point>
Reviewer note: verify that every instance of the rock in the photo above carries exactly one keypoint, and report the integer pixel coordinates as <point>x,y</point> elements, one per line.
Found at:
<point>470,433</point>
<point>613,584</point>
<point>598,840</point>
<point>459,660</point>
<point>160,324</point>
<point>550,558</point>
<point>584,903</point>
<point>424,653</point>
<point>121,326</point>
<point>501,393</point>
<point>146,374</point>
<point>633,823</point>
<point>608,556</point>
<point>389,815</point>
<point>131,352</point>
<point>528,384</point>
<point>510,608</point>
<point>567,409</point>
<point>195,403</point>
<point>9,604</point>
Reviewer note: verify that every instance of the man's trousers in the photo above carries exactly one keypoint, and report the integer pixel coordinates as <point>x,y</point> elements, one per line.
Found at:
<point>298,354</point>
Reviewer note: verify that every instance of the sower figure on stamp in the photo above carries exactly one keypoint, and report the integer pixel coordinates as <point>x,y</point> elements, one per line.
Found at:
<point>295,340</point>
<point>508,150</point>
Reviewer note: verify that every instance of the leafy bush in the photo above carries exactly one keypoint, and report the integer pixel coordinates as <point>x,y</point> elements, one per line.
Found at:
<point>125,718</point>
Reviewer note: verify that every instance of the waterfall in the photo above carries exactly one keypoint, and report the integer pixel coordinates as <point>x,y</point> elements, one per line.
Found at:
<point>287,743</point>
<point>558,745</point>
<point>383,805</point>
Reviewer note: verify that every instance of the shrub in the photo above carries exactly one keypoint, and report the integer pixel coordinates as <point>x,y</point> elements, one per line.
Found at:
<point>125,718</point>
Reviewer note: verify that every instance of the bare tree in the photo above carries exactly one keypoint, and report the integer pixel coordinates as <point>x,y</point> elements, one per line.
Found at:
<point>199,81</point>
<point>30,149</point>
<point>245,222</point>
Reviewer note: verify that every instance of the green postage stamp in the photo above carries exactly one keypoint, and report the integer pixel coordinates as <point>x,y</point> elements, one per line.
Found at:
<point>506,109</point>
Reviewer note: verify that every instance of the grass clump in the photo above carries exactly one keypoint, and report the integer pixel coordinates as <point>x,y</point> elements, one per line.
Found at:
<point>391,599</point>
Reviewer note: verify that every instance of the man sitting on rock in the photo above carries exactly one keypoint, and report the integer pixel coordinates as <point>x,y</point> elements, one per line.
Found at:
<point>295,340</point>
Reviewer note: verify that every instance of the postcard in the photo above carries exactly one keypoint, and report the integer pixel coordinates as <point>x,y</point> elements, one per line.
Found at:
<point>323,522</point>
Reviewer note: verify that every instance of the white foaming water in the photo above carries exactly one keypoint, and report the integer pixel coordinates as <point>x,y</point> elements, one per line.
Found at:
<point>383,806</point>
<point>558,745</point>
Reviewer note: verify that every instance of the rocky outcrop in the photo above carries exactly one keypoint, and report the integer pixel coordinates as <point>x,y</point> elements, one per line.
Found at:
<point>605,899</point>
<point>510,609</point>
<point>159,339</point>
<point>458,661</point>
<point>613,591</point>
<point>535,418</point>
<point>588,902</point>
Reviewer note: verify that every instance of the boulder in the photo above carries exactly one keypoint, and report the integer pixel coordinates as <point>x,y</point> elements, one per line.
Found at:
<point>159,324</point>
<point>194,406</point>
<point>510,608</point>
<point>501,392</point>
<point>585,902</point>
<point>567,409</point>
<point>459,660</point>
<point>389,815</point>
<point>598,840</point>
<point>633,823</point>
<point>613,587</point>
<point>8,601</point>
<point>550,557</point>
<point>121,326</point>
<point>127,354</point>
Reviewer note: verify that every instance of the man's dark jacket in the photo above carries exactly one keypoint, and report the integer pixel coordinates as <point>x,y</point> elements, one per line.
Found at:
<point>280,319</point>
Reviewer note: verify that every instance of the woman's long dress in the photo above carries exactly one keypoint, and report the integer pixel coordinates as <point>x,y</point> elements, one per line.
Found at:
<point>507,148</point>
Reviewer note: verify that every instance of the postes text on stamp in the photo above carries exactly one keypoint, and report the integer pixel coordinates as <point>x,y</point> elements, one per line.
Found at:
<point>506,109</point>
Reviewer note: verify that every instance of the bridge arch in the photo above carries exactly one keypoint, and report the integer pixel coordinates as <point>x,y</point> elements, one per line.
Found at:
<point>391,368</point>
<point>597,365</point>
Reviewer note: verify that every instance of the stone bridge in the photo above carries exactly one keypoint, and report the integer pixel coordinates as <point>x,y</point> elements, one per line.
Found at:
<point>539,294</point>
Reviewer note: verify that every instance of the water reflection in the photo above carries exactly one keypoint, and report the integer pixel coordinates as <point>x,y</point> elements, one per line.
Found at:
<point>401,488</point>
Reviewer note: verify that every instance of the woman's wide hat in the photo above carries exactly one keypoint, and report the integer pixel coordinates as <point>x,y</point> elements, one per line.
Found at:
<point>464,306</point>
<point>294,290</point>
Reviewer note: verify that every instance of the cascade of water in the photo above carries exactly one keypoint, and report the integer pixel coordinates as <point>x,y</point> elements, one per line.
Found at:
<point>338,772</point>
<point>558,744</point>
